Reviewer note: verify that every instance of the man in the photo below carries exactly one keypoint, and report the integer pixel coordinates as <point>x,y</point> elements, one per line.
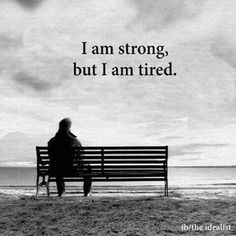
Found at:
<point>61,154</point>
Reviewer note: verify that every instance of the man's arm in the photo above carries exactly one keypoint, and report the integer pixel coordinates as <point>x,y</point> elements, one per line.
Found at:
<point>76,143</point>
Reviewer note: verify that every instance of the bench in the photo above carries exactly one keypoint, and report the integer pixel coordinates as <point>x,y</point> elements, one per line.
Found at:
<point>117,163</point>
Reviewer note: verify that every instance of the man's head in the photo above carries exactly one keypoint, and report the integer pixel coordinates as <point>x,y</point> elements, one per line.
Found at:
<point>65,124</point>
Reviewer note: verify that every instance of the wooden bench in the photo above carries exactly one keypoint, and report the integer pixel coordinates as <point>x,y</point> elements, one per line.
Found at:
<point>117,163</point>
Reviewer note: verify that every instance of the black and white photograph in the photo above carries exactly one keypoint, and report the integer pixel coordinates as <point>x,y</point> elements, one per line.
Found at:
<point>117,117</point>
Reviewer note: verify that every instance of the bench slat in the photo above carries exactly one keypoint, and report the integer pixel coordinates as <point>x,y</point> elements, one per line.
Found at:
<point>112,163</point>
<point>118,179</point>
<point>123,152</point>
<point>132,166</point>
<point>116,158</point>
<point>116,166</point>
<point>110,147</point>
<point>122,147</point>
<point>123,161</point>
<point>117,174</point>
<point>125,157</point>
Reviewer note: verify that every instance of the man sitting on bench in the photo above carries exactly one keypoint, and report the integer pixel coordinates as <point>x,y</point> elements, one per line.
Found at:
<point>61,155</point>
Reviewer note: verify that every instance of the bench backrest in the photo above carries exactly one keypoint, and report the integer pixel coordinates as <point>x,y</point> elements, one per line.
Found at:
<point>124,159</point>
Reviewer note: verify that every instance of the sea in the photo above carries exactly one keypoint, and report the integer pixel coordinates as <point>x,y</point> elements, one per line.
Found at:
<point>23,180</point>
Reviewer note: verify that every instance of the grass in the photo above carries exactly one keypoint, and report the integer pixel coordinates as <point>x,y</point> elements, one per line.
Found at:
<point>113,215</point>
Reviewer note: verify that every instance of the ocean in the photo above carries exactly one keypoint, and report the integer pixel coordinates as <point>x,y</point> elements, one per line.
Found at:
<point>178,177</point>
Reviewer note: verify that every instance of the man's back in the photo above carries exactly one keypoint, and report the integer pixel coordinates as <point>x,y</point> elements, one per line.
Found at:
<point>61,151</point>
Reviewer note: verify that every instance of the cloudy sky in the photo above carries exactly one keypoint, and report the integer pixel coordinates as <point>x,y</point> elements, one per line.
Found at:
<point>194,113</point>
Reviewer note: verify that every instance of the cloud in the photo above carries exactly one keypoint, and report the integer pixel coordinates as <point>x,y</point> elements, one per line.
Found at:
<point>169,138</point>
<point>193,148</point>
<point>225,50</point>
<point>29,4</point>
<point>23,152</point>
<point>158,15</point>
<point>7,42</point>
<point>181,153</point>
<point>190,159</point>
<point>30,81</point>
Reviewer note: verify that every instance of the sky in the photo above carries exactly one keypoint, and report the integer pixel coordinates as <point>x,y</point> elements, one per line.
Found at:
<point>194,113</point>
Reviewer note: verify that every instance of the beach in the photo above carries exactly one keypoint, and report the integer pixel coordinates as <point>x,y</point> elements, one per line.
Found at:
<point>196,211</point>
<point>202,201</point>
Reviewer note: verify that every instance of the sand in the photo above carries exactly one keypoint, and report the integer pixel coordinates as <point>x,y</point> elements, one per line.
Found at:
<point>121,214</point>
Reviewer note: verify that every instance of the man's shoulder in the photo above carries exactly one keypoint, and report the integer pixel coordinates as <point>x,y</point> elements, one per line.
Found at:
<point>68,139</point>
<point>51,140</point>
<point>75,142</point>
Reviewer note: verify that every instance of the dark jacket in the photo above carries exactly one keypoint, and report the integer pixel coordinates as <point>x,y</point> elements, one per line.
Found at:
<point>60,151</point>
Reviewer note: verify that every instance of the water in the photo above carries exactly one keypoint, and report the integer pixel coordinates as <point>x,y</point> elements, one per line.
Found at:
<point>178,177</point>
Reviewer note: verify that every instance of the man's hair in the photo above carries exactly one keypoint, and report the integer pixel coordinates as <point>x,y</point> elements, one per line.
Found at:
<point>65,124</point>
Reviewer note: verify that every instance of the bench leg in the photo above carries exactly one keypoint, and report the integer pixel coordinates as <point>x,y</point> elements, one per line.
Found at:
<point>166,188</point>
<point>37,186</point>
<point>47,186</point>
